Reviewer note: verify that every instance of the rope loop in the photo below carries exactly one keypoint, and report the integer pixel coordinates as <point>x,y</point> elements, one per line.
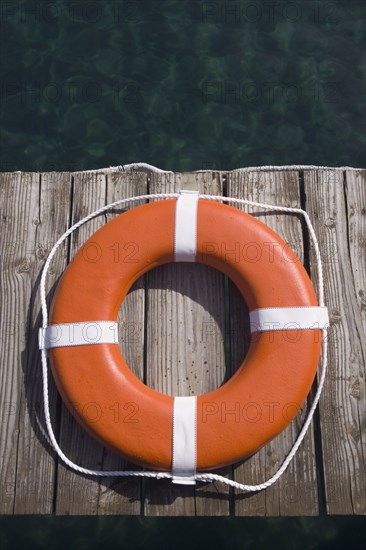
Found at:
<point>204,477</point>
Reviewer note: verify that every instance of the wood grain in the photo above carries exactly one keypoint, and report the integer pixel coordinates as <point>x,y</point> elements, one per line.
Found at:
<point>77,494</point>
<point>35,456</point>
<point>340,223</point>
<point>177,325</point>
<point>34,209</point>
<point>19,196</point>
<point>185,348</point>
<point>123,495</point>
<point>296,491</point>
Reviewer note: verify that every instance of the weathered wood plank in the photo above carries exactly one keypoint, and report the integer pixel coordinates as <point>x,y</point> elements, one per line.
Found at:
<point>35,462</point>
<point>295,493</point>
<point>336,205</point>
<point>29,219</point>
<point>183,357</point>
<point>355,195</point>
<point>19,198</point>
<point>122,495</point>
<point>77,494</point>
<point>103,495</point>
<point>343,403</point>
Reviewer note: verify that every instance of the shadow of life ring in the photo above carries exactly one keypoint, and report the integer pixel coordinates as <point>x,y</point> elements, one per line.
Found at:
<point>185,434</point>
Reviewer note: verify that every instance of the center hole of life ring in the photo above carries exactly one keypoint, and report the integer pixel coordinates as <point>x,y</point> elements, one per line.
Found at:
<point>192,315</point>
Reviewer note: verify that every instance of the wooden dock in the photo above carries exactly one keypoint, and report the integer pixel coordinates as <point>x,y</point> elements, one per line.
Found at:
<point>179,355</point>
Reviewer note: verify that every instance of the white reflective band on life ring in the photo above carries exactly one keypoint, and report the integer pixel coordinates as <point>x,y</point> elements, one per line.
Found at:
<point>78,334</point>
<point>288,318</point>
<point>185,231</point>
<point>184,440</point>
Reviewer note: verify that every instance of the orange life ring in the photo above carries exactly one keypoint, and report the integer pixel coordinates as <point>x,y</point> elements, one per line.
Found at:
<point>274,379</point>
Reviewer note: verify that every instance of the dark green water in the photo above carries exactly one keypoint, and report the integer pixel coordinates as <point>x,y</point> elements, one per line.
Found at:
<point>183,533</point>
<point>183,85</point>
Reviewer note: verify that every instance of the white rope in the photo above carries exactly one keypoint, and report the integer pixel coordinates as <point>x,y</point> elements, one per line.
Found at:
<point>144,167</point>
<point>293,167</point>
<point>205,477</point>
<point>135,166</point>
